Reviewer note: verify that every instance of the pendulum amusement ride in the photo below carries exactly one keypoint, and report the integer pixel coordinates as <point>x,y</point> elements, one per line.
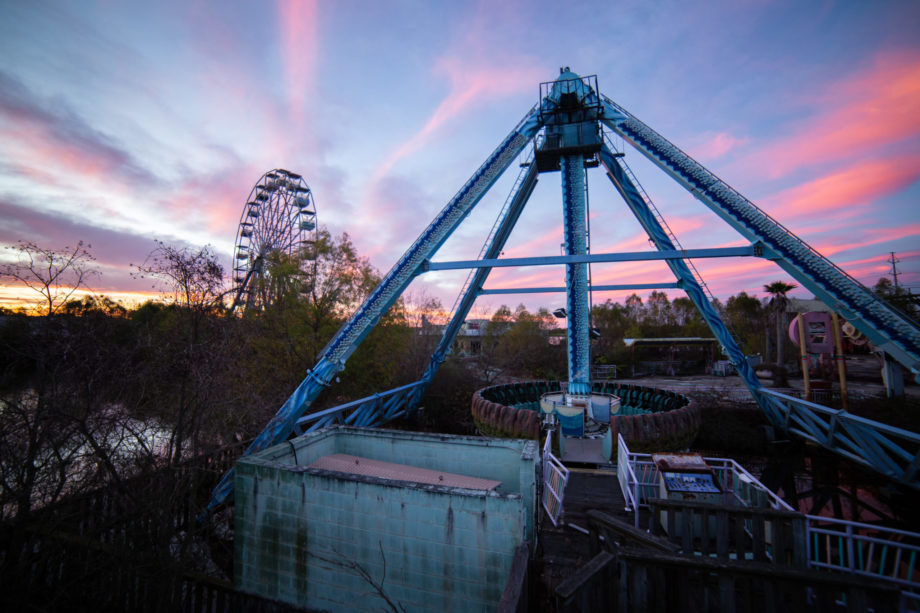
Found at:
<point>569,128</point>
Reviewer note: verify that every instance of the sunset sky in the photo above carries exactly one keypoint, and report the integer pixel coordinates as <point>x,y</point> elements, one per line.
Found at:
<point>125,122</point>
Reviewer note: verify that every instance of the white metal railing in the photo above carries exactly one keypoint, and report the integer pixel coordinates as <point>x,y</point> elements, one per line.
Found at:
<point>629,484</point>
<point>832,544</point>
<point>555,478</point>
<point>745,487</point>
<point>893,451</point>
<point>868,550</point>
<point>639,481</point>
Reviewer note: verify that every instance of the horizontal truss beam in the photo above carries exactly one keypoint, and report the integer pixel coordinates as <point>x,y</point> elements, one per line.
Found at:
<point>594,288</point>
<point>633,256</point>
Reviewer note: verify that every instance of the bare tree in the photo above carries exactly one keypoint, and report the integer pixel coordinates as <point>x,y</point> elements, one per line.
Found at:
<point>343,562</point>
<point>55,274</point>
<point>425,319</point>
<point>194,280</point>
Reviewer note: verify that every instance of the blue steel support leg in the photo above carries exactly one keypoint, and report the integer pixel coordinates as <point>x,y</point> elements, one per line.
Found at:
<point>347,339</point>
<point>688,282</point>
<point>887,328</point>
<point>576,275</point>
<point>505,226</point>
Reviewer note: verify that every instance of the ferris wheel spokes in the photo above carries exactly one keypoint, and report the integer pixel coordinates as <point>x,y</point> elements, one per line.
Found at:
<point>279,217</point>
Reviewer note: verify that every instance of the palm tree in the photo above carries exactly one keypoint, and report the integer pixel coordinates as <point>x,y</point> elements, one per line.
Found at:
<point>779,289</point>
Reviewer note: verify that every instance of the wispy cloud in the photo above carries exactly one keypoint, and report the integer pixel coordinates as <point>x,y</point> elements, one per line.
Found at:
<point>48,134</point>
<point>470,85</point>
<point>115,250</point>
<point>875,107</point>
<point>299,47</point>
<point>546,243</point>
<point>715,146</point>
<point>856,187</point>
<point>870,237</point>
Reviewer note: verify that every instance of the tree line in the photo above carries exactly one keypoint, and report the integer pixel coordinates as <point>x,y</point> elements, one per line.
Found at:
<point>92,391</point>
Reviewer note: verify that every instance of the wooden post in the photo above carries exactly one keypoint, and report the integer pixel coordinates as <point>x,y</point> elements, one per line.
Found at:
<point>800,324</point>
<point>841,365</point>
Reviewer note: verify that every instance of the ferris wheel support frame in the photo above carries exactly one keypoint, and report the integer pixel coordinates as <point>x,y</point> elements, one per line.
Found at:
<point>279,216</point>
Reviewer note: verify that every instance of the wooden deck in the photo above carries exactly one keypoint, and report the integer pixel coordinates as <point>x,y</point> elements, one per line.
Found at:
<point>565,548</point>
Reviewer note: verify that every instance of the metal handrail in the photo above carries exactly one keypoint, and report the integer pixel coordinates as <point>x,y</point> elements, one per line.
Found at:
<point>728,464</point>
<point>848,554</point>
<point>629,476</point>
<point>635,498</point>
<point>893,451</point>
<point>334,414</point>
<point>554,465</point>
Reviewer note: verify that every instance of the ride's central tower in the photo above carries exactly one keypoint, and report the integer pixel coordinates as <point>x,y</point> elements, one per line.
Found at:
<point>571,110</point>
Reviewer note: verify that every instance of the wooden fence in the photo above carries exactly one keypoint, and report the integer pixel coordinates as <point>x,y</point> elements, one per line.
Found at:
<point>636,571</point>
<point>607,532</point>
<point>63,572</point>
<point>732,532</point>
<point>591,588</point>
<point>167,499</point>
<point>654,581</point>
<point>633,580</point>
<point>517,596</point>
<point>116,548</point>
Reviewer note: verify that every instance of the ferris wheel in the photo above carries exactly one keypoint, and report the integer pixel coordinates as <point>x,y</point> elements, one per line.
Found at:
<point>279,217</point>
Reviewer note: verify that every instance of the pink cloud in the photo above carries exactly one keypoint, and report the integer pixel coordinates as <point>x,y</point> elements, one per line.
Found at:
<point>543,244</point>
<point>297,21</point>
<point>859,184</point>
<point>876,106</point>
<point>868,268</point>
<point>37,146</point>
<point>872,236</point>
<point>474,80</point>
<point>716,146</point>
<point>298,35</point>
<point>524,278</point>
<point>637,242</point>
<point>712,270</point>
<point>471,85</point>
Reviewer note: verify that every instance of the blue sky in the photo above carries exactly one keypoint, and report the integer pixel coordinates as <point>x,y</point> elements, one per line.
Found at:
<point>122,122</point>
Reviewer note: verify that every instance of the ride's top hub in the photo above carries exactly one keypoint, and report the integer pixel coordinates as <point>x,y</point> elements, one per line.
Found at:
<point>570,110</point>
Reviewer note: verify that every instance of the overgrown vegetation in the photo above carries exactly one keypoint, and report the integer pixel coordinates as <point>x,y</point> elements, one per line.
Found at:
<point>93,392</point>
<point>103,402</point>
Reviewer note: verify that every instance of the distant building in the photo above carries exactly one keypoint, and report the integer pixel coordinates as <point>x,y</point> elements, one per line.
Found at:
<point>469,338</point>
<point>673,356</point>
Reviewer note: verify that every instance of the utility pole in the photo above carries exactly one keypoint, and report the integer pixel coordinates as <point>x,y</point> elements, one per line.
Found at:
<point>894,271</point>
